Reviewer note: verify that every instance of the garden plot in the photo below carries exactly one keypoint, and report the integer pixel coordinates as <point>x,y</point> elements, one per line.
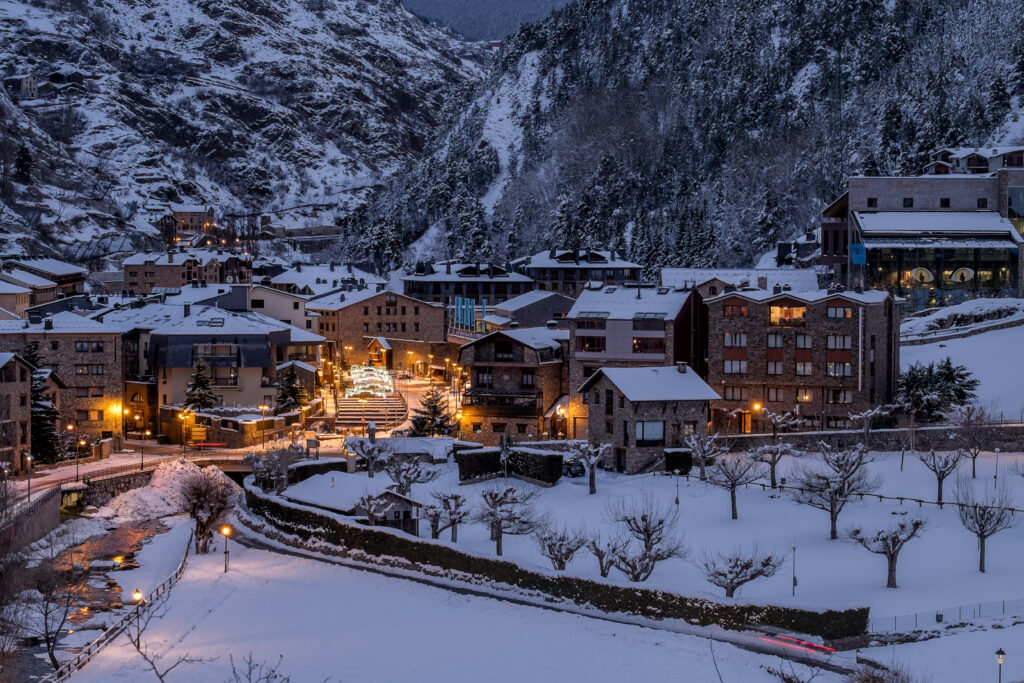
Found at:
<point>937,571</point>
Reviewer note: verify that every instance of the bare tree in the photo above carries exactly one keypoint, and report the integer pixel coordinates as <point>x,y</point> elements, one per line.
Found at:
<point>559,545</point>
<point>829,488</point>
<point>376,453</point>
<point>509,511</point>
<point>983,516</point>
<point>270,469</point>
<point>782,422</point>
<point>973,433</point>
<point>888,542</point>
<point>738,567</point>
<point>160,664</point>
<point>732,471</point>
<point>867,417</point>
<point>206,495</point>
<point>252,671</point>
<point>434,514</point>
<point>703,449</point>
<point>942,465</point>
<point>408,470</point>
<point>591,456</point>
<point>375,506</point>
<point>52,597</point>
<point>772,455</point>
<point>456,511</point>
<point>653,528</point>
<point>604,551</point>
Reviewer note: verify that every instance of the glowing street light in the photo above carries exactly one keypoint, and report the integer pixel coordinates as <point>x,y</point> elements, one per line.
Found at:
<point>226,532</point>
<point>137,597</point>
<point>29,458</point>
<point>263,427</point>
<point>999,659</point>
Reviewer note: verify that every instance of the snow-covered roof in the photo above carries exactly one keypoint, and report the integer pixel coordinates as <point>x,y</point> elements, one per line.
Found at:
<point>50,265</point>
<point>924,223</point>
<point>6,358</point>
<point>871,296</point>
<point>11,288</point>
<point>173,258</point>
<point>23,277</point>
<point>191,294</point>
<point>621,302</point>
<point>534,337</point>
<point>567,258</point>
<point>496,319</point>
<point>322,278</point>
<point>524,300</point>
<point>382,342</point>
<point>189,208</point>
<point>661,383</point>
<point>212,320</point>
<point>340,491</point>
<point>337,300</point>
<point>63,322</point>
<point>8,315</point>
<point>466,272</point>
<point>297,363</point>
<point>797,278</point>
<point>960,152</point>
<point>145,317</point>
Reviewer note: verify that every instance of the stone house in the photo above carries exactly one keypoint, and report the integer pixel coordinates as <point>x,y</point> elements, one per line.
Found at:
<point>631,326</point>
<point>143,272</point>
<point>22,85</point>
<point>87,356</point>
<point>517,385</point>
<point>317,279</point>
<point>381,327</point>
<point>820,354</point>
<point>41,290</point>
<point>642,411</point>
<point>15,412</point>
<point>69,278</point>
<point>193,218</point>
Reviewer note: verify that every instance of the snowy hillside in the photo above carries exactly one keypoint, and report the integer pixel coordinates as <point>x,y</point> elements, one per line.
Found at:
<point>246,104</point>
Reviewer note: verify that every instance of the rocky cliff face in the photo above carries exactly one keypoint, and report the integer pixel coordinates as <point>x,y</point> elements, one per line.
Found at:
<point>248,105</point>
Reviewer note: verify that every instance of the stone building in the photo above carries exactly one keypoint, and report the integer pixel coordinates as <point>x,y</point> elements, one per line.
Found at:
<point>317,279</point>
<point>569,271</point>
<point>407,331</point>
<point>445,281</point>
<point>821,355</point>
<point>711,282</point>
<point>41,290</point>
<point>518,385</point>
<point>87,356</point>
<point>69,278</point>
<point>642,411</point>
<point>143,272</point>
<point>22,85</point>
<point>631,326</point>
<point>15,412</point>
<point>193,218</point>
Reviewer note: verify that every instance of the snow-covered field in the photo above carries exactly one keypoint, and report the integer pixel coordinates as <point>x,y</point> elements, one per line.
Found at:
<point>993,357</point>
<point>830,573</point>
<point>340,624</point>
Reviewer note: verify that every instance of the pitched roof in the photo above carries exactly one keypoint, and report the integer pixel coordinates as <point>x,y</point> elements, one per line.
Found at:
<point>871,296</point>
<point>534,337</point>
<point>925,223</point>
<point>660,383</point>
<point>524,300</point>
<point>11,288</point>
<point>466,272</point>
<point>64,322</point>
<point>797,278</point>
<point>23,277</point>
<point>621,302</point>
<point>50,265</point>
<point>336,300</point>
<point>164,258</point>
<point>567,258</point>
<point>321,278</point>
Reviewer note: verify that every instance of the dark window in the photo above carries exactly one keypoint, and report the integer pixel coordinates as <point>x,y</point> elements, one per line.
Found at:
<point>503,350</point>
<point>908,202</point>
<point>982,202</point>
<point>520,428</point>
<point>366,310</point>
<point>590,324</point>
<point>498,427</point>
<point>529,379</point>
<point>735,310</point>
<point>944,203</point>
<point>648,345</point>
<point>591,344</point>
<point>295,305</point>
<point>872,202</point>
<point>54,345</point>
<point>257,303</point>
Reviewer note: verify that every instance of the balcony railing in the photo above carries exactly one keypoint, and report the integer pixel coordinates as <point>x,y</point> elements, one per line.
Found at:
<point>224,381</point>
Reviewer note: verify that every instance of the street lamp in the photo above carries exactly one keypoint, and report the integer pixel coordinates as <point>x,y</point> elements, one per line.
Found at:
<point>124,422</point>
<point>181,416</point>
<point>29,458</point>
<point>458,423</point>
<point>226,531</point>
<point>263,426</point>
<point>137,597</point>
<point>362,404</point>
<point>677,487</point>
<point>999,659</point>
<point>142,450</point>
<point>997,463</point>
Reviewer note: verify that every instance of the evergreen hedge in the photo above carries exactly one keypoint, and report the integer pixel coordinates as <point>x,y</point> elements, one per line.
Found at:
<point>304,470</point>
<point>646,602</point>
<point>677,460</point>
<point>546,467</point>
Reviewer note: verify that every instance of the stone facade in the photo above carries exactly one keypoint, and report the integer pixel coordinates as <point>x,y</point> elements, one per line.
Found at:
<point>614,419</point>
<point>143,272</point>
<point>513,386</point>
<point>15,413</point>
<point>413,329</point>
<point>822,357</point>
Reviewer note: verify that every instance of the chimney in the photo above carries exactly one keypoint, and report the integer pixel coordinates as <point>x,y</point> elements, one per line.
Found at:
<point>787,287</point>
<point>332,268</point>
<point>48,324</point>
<point>448,268</point>
<point>298,267</point>
<point>777,289</point>
<point>170,257</point>
<point>514,325</point>
<point>681,367</point>
<point>762,282</point>
<point>188,310</point>
<point>858,289</point>
<point>551,254</point>
<point>35,317</point>
<point>552,324</point>
<point>350,268</point>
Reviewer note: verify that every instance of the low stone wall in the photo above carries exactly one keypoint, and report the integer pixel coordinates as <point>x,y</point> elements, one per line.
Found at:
<point>99,493</point>
<point>1008,438</point>
<point>34,522</point>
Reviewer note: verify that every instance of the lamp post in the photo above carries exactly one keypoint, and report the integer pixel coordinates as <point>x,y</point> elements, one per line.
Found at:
<point>997,463</point>
<point>81,443</point>
<point>137,597</point>
<point>362,405</point>
<point>263,426</point>
<point>677,487</point>
<point>999,660</point>
<point>226,531</point>
<point>29,458</point>
<point>142,451</point>
<point>124,422</point>
<point>757,408</point>
<point>458,423</point>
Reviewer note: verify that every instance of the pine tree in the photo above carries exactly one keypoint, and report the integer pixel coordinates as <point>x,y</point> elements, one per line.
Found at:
<point>24,163</point>
<point>1017,69</point>
<point>998,100</point>
<point>432,417</point>
<point>291,393</point>
<point>46,446</point>
<point>199,394</point>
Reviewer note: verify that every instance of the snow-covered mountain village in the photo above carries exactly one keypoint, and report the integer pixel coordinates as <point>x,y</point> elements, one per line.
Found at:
<point>348,340</point>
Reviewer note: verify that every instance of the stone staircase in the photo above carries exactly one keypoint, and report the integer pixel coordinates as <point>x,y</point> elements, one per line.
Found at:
<point>383,411</point>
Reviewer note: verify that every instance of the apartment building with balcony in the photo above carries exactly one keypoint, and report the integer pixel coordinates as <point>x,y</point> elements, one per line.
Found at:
<point>568,271</point>
<point>445,281</point>
<point>69,278</point>
<point>821,355</point>
<point>313,280</point>
<point>177,268</point>
<point>518,382</point>
<point>631,326</point>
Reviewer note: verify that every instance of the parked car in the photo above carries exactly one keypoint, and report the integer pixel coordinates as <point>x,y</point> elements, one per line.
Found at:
<point>573,468</point>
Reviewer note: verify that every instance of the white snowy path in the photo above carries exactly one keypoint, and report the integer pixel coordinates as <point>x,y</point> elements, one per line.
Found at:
<point>347,625</point>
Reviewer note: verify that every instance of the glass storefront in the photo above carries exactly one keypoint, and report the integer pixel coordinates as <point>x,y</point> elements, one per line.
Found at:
<point>1015,207</point>
<point>930,277</point>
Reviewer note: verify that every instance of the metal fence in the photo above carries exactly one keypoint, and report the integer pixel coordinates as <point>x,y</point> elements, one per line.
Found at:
<point>947,616</point>
<point>68,668</point>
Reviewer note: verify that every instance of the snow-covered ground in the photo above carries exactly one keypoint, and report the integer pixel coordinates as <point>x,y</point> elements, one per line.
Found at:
<point>974,315</point>
<point>830,573</point>
<point>994,359</point>
<point>341,624</point>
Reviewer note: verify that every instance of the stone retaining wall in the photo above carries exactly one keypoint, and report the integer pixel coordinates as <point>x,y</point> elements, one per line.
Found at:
<point>100,492</point>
